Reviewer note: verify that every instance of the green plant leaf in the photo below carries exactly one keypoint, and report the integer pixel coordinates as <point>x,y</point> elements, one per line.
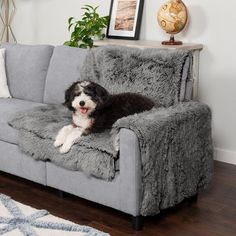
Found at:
<point>87,15</point>
<point>83,45</point>
<point>67,43</point>
<point>71,24</point>
<point>74,44</point>
<point>85,8</point>
<point>88,41</point>
<point>70,20</point>
<point>81,23</point>
<point>96,15</point>
<point>95,9</point>
<point>89,6</point>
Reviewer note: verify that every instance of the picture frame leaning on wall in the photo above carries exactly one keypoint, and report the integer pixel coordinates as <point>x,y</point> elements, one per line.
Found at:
<point>125,19</point>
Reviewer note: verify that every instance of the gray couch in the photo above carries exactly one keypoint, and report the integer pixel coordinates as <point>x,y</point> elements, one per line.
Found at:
<point>39,75</point>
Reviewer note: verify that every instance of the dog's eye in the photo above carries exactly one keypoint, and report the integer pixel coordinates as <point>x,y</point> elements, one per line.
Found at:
<point>77,94</point>
<point>89,93</point>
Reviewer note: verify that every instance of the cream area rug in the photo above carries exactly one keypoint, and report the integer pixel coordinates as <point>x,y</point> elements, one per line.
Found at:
<point>17,219</point>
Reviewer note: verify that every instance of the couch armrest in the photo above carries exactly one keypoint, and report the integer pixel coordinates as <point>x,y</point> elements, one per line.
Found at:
<point>130,171</point>
<point>176,153</point>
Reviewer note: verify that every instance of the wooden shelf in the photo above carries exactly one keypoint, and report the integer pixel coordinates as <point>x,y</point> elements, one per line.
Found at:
<point>146,44</point>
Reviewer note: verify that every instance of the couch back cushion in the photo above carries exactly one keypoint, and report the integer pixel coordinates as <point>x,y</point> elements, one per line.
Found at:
<point>26,69</point>
<point>64,69</point>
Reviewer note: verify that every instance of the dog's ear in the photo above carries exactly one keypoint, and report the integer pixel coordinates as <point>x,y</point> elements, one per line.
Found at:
<point>69,96</point>
<point>103,96</point>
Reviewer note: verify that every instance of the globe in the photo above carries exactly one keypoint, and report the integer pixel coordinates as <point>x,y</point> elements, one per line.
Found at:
<point>172,17</point>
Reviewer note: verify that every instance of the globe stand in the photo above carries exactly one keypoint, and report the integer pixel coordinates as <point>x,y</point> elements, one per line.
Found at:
<point>172,41</point>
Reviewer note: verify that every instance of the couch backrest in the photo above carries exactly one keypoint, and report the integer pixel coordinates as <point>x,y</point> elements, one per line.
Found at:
<point>26,69</point>
<point>64,69</point>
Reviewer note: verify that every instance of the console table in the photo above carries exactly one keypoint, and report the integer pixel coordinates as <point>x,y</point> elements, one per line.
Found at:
<point>195,48</point>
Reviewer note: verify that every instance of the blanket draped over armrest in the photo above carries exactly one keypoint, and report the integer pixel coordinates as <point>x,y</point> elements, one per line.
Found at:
<point>176,153</point>
<point>175,144</point>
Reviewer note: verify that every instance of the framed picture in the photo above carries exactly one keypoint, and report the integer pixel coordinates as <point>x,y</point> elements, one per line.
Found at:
<point>125,19</point>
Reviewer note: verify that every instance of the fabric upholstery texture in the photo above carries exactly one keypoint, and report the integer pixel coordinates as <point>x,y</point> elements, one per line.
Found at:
<point>157,73</point>
<point>7,109</point>
<point>64,69</point>
<point>4,90</point>
<point>26,69</point>
<point>15,162</point>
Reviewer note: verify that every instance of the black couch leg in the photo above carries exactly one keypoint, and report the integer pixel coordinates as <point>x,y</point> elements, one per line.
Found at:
<point>137,222</point>
<point>193,198</point>
<point>61,194</point>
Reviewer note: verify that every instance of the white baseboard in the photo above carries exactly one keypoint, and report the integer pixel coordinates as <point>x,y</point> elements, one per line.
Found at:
<point>225,156</point>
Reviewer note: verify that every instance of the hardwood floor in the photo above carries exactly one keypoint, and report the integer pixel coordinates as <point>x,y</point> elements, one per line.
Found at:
<point>214,214</point>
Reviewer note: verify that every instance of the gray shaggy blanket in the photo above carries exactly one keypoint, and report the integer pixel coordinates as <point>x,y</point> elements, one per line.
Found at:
<point>162,75</point>
<point>37,131</point>
<point>175,144</point>
<point>176,153</point>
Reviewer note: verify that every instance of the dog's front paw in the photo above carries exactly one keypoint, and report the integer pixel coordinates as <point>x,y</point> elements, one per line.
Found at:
<point>57,143</point>
<point>65,148</point>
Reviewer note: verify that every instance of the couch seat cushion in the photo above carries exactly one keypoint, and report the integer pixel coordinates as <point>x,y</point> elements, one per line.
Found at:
<point>7,109</point>
<point>64,69</point>
<point>26,68</point>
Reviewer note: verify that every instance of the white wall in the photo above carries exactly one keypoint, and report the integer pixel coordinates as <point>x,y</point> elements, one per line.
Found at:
<point>211,23</point>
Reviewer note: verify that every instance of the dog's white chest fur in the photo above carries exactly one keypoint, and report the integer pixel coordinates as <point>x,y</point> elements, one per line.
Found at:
<point>82,121</point>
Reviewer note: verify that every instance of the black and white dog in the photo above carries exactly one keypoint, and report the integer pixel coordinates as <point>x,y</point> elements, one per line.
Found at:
<point>95,110</point>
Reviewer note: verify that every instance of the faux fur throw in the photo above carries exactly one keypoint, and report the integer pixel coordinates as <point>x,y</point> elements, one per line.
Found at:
<point>175,144</point>
<point>176,153</point>
<point>162,75</point>
<point>37,131</point>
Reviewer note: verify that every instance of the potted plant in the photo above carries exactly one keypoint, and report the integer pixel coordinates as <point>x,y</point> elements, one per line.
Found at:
<point>84,31</point>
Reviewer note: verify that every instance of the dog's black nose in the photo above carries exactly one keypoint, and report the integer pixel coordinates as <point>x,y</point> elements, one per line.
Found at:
<point>81,103</point>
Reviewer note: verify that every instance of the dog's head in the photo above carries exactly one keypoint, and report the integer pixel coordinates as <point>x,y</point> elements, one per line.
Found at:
<point>85,97</point>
